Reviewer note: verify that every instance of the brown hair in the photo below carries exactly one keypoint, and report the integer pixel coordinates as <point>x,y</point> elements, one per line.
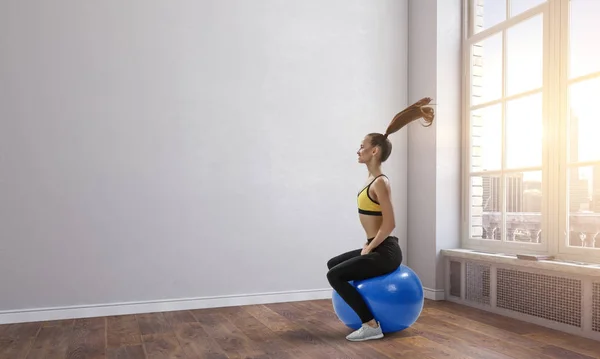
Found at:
<point>403,118</point>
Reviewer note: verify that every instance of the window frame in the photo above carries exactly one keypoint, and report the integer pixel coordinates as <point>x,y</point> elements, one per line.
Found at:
<point>555,109</point>
<point>563,250</point>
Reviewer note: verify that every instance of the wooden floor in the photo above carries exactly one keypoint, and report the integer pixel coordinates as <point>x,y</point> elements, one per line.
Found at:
<point>288,330</point>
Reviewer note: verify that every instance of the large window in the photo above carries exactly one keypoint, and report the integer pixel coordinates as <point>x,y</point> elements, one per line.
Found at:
<point>532,128</point>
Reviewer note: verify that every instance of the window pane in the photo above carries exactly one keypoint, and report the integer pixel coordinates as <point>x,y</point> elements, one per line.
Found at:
<point>486,139</point>
<point>524,132</point>
<point>584,206</point>
<point>519,6</point>
<point>584,54</point>
<point>584,121</point>
<point>488,13</point>
<point>523,198</point>
<point>485,207</point>
<point>524,56</point>
<point>486,62</point>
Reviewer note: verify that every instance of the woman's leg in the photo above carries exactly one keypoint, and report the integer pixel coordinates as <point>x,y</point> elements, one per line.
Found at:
<point>358,268</point>
<point>342,258</point>
<point>383,260</point>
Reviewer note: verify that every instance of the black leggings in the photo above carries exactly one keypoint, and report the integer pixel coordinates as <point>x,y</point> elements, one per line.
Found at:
<point>351,266</point>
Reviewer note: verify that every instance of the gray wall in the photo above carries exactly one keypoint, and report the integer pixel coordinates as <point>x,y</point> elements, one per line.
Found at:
<point>434,160</point>
<point>159,150</point>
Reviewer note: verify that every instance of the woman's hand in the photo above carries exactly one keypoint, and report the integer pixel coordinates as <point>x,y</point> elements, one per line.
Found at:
<point>366,250</point>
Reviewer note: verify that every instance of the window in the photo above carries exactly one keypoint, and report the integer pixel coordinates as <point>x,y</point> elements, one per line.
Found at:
<point>532,131</point>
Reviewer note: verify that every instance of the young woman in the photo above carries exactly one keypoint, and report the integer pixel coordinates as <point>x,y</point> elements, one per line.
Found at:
<point>381,254</point>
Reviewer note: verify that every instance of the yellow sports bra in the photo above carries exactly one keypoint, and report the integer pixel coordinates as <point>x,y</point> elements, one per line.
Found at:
<point>366,204</point>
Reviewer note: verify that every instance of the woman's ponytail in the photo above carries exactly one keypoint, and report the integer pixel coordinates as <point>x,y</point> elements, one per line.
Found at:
<point>406,116</point>
<point>411,113</point>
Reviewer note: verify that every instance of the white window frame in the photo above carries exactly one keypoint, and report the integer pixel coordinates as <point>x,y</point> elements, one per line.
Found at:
<point>554,168</point>
<point>562,249</point>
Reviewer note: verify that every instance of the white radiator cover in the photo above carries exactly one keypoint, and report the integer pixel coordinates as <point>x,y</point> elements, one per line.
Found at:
<point>568,302</point>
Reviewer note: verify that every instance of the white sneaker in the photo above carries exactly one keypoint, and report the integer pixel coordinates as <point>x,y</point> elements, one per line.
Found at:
<point>366,332</point>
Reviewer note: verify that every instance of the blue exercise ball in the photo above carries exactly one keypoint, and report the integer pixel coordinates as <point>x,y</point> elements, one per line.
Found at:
<point>395,299</point>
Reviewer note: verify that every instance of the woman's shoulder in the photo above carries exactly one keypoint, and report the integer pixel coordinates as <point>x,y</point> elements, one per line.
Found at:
<point>382,178</point>
<point>381,181</point>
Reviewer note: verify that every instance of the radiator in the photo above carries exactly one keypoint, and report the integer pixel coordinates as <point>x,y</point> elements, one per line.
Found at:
<point>561,301</point>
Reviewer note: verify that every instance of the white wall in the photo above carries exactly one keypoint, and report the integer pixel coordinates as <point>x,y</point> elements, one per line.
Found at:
<point>448,131</point>
<point>158,150</point>
<point>422,75</point>
<point>434,152</point>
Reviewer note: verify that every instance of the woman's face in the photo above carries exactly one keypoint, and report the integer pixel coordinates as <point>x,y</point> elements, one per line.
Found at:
<point>366,151</point>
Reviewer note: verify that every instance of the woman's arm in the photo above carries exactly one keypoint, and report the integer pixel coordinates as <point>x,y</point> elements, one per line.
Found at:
<point>382,190</point>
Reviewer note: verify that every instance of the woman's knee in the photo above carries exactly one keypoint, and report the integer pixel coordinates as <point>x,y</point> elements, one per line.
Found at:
<point>334,261</point>
<point>330,273</point>
<point>331,263</point>
<point>333,276</point>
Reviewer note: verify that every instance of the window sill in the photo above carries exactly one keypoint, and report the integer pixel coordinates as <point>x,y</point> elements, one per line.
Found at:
<point>557,265</point>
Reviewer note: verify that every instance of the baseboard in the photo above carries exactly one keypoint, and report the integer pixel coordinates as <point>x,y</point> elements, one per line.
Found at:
<point>433,294</point>
<point>101,310</point>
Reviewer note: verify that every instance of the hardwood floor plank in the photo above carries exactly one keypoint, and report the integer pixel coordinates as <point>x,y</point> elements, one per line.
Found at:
<point>426,347</point>
<point>88,339</point>
<point>196,343</point>
<point>573,343</point>
<point>490,330</point>
<point>323,303</point>
<point>289,329</point>
<point>456,343</point>
<point>273,321</point>
<point>479,315</point>
<point>153,323</point>
<point>11,348</point>
<point>51,342</point>
<point>290,354</point>
<point>178,317</point>
<point>562,353</point>
<point>231,339</point>
<point>122,330</point>
<point>481,339</point>
<point>541,334</point>
<point>162,346</point>
<point>398,349</point>
<point>256,331</point>
<point>17,339</point>
<point>60,323</point>
<point>126,352</point>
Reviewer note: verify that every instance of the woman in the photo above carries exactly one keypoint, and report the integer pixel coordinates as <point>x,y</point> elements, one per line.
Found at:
<point>381,254</point>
